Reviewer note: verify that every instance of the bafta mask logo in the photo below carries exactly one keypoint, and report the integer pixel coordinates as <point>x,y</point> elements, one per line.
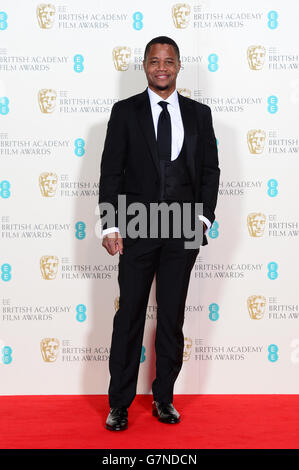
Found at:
<point>181,15</point>
<point>256,139</point>
<point>121,58</point>
<point>48,184</point>
<point>184,92</point>
<point>256,57</point>
<point>256,222</point>
<point>47,100</point>
<point>45,13</point>
<point>49,267</point>
<point>256,305</point>
<point>116,303</point>
<point>49,348</point>
<point>187,349</point>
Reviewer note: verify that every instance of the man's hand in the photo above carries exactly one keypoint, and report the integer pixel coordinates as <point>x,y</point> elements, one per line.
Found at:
<point>113,243</point>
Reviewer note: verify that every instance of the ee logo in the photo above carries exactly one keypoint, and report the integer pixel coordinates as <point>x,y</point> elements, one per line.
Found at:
<point>4,189</point>
<point>80,230</point>
<point>214,312</point>
<point>213,232</point>
<point>273,350</point>
<point>272,187</point>
<point>3,22</point>
<point>81,313</point>
<point>272,19</point>
<point>79,147</point>
<point>137,20</point>
<point>143,356</point>
<point>4,102</point>
<point>6,272</point>
<point>272,270</point>
<point>213,62</point>
<point>6,355</point>
<point>272,104</point>
<point>78,63</point>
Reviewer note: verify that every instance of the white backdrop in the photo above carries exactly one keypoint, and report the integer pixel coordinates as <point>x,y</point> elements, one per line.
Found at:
<point>62,66</point>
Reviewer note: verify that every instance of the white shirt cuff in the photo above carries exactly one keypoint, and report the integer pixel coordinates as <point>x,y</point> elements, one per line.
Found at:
<point>109,230</point>
<point>206,221</point>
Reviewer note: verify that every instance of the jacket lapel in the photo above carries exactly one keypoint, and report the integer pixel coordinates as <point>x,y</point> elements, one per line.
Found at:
<point>190,131</point>
<point>146,123</point>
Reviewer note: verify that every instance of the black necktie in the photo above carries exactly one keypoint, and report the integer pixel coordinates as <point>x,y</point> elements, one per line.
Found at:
<point>164,133</point>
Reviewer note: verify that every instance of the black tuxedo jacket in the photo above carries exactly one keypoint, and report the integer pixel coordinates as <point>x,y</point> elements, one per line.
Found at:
<point>130,161</point>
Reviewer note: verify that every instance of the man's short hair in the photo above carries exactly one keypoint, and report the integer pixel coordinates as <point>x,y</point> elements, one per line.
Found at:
<point>162,40</point>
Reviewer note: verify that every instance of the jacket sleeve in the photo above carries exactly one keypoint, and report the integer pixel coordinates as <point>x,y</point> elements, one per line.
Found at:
<point>210,169</point>
<point>113,162</point>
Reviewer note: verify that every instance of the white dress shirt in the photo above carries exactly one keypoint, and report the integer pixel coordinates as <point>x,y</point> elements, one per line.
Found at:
<point>177,134</point>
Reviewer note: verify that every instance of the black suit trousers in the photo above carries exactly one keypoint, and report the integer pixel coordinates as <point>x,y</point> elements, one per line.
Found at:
<point>142,259</point>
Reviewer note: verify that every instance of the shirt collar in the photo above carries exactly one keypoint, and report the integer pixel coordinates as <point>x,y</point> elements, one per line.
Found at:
<point>154,98</point>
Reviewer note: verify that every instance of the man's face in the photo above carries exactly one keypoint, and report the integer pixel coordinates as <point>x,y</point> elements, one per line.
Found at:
<point>161,67</point>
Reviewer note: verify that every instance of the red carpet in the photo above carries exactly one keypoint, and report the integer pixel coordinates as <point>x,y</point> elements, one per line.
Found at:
<point>208,422</point>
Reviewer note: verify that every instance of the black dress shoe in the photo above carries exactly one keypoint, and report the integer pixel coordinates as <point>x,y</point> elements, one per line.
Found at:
<point>117,419</point>
<point>165,412</point>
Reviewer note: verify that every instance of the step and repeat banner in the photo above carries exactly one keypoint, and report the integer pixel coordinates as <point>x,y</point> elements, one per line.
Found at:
<point>63,65</point>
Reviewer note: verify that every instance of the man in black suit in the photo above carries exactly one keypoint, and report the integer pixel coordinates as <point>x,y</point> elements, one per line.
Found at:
<point>159,147</point>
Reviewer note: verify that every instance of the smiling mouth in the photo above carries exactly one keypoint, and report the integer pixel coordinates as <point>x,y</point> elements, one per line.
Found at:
<point>162,77</point>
